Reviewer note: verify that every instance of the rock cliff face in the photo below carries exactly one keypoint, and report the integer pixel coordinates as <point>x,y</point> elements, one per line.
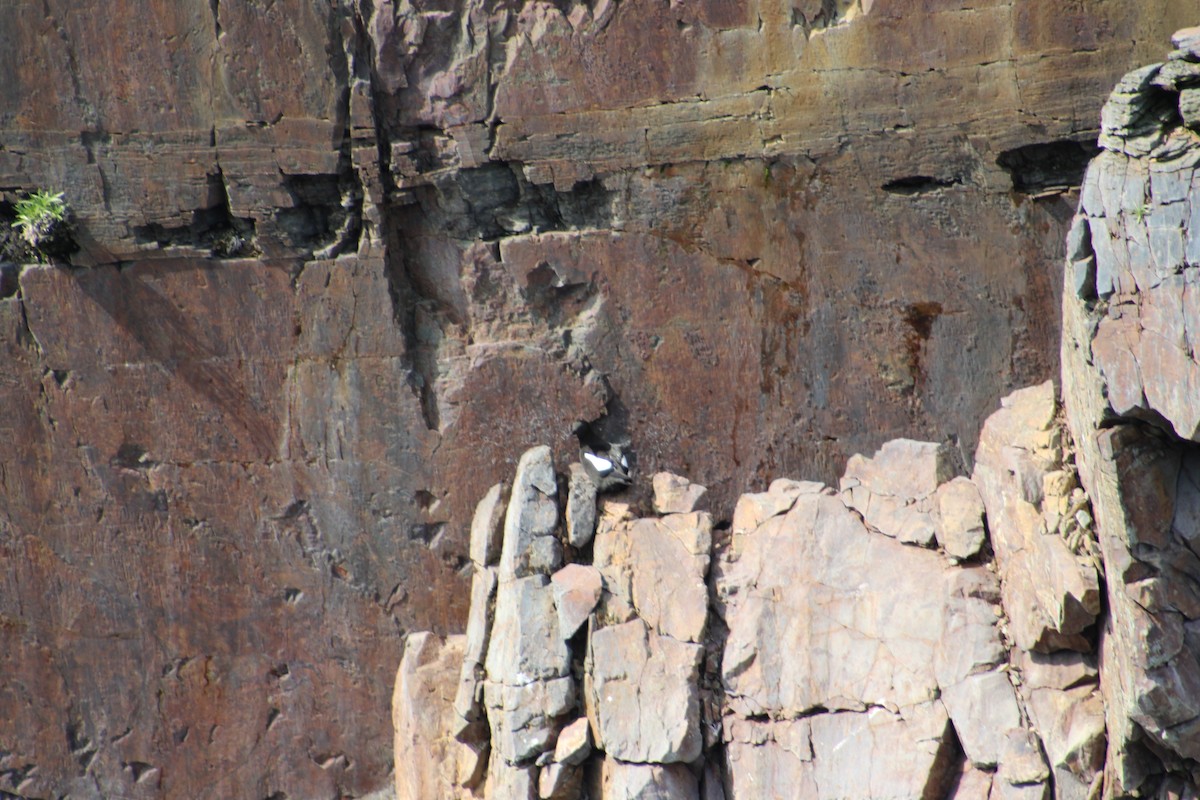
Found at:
<point>1027,632</point>
<point>340,262</point>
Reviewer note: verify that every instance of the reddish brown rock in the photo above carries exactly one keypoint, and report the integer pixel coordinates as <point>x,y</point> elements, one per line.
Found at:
<point>216,467</point>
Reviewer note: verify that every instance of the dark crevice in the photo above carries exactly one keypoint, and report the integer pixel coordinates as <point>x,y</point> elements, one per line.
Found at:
<point>10,279</point>
<point>213,228</point>
<point>919,184</point>
<point>1041,167</point>
<point>325,219</point>
<point>495,200</point>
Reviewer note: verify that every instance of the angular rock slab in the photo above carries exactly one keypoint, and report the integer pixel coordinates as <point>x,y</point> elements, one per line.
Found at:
<point>755,508</point>
<point>468,699</point>
<point>894,490</point>
<point>822,613</point>
<point>487,528</point>
<point>960,530</point>
<point>581,507</point>
<point>524,718</point>
<point>530,543</point>
<point>528,685</point>
<point>675,494</point>
<point>615,780</point>
<point>577,589</point>
<point>574,743</point>
<point>869,754</point>
<point>658,567</point>
<point>1066,709</point>
<point>643,694</point>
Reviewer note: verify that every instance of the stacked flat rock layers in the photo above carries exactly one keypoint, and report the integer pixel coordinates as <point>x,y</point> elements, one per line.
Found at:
<point>828,643</point>
<point>1131,382</point>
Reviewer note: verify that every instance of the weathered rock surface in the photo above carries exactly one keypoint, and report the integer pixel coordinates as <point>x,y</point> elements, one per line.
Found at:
<point>530,545</point>
<point>427,755</point>
<point>577,590</point>
<point>581,507</point>
<point>615,780</point>
<point>487,531</point>
<point>894,491</point>
<point>1051,593</point>
<point>1129,382</point>
<point>335,291</point>
<point>960,518</point>
<point>643,696</point>
<point>675,494</point>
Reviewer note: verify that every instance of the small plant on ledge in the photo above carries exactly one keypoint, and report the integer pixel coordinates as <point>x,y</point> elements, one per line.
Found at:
<point>42,219</point>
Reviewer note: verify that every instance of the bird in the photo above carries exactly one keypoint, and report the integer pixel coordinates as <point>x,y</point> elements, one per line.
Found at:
<point>606,463</point>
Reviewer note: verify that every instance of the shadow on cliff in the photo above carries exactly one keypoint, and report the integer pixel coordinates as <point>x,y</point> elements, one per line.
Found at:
<point>170,338</point>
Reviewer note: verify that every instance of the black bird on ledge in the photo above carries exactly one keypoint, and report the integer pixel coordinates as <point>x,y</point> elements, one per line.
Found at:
<point>605,462</point>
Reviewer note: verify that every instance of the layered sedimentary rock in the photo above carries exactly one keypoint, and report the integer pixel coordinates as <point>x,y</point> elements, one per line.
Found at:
<point>1129,377</point>
<point>341,262</point>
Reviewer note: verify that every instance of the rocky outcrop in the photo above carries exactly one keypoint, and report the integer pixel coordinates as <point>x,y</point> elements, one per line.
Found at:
<point>1130,382</point>
<point>824,643</point>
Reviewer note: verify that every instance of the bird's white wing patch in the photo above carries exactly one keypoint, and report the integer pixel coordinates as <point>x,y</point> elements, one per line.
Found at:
<point>602,465</point>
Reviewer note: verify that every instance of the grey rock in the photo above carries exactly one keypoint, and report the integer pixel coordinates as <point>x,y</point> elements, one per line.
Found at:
<point>523,717</point>
<point>508,782</point>
<point>574,743</point>
<point>894,489</point>
<point>530,543</point>
<point>815,582</point>
<point>581,507</point>
<point>616,780</point>
<point>643,694</point>
<point>903,468</point>
<point>1132,119</point>
<point>525,643</point>
<point>560,782</point>
<point>755,508</point>
<point>527,685</point>
<point>1050,594</point>
<point>469,696</point>
<point>909,753</point>
<point>487,532</point>
<point>1187,42</point>
<point>960,530</point>
<point>1189,107</point>
<point>1178,74</point>
<point>658,568</point>
<point>984,708</point>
